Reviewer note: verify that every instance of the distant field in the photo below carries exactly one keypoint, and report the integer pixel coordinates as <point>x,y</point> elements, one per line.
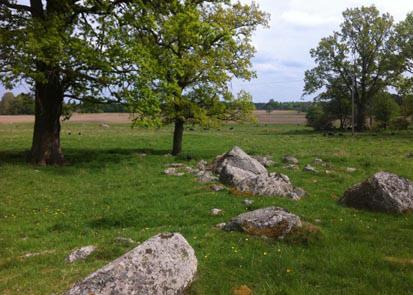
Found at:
<point>275,117</point>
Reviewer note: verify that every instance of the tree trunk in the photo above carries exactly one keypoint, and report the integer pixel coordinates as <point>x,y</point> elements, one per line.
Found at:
<point>46,136</point>
<point>361,118</point>
<point>178,135</point>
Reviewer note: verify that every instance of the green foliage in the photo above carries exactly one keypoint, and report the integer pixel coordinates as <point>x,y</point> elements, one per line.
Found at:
<point>272,105</point>
<point>364,50</point>
<point>400,123</point>
<point>191,52</point>
<point>385,109</point>
<point>407,106</point>
<point>22,104</point>
<point>318,118</point>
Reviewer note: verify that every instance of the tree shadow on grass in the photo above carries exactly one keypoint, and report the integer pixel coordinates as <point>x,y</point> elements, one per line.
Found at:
<point>82,157</point>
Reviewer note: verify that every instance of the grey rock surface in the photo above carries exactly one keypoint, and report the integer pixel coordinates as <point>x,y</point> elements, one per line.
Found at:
<point>266,161</point>
<point>384,192</point>
<point>81,253</point>
<point>272,222</point>
<point>164,264</point>
<point>309,168</point>
<point>237,158</point>
<point>290,160</point>
<point>244,173</point>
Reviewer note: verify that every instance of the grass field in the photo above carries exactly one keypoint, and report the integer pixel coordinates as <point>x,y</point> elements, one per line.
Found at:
<point>108,190</point>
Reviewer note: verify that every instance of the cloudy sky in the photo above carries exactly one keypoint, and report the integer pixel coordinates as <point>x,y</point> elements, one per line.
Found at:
<point>297,26</point>
<point>283,50</point>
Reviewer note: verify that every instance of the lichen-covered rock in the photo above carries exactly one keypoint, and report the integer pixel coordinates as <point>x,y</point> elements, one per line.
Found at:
<point>247,175</point>
<point>164,264</point>
<point>206,176</point>
<point>266,161</point>
<point>272,185</point>
<point>237,158</point>
<point>81,253</point>
<point>385,192</point>
<point>272,222</point>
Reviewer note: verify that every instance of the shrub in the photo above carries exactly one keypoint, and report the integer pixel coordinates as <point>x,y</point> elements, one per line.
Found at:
<point>385,109</point>
<point>318,118</point>
<point>400,123</point>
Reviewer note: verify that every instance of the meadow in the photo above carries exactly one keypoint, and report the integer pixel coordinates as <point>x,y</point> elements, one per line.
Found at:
<point>108,189</point>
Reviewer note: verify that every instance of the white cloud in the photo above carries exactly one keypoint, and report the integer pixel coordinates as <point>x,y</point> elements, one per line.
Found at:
<point>306,19</point>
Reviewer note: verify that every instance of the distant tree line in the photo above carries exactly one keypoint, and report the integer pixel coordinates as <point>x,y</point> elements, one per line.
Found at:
<point>272,105</point>
<point>371,59</point>
<point>23,104</point>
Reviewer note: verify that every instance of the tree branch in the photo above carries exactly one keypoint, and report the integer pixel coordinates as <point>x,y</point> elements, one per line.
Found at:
<point>19,7</point>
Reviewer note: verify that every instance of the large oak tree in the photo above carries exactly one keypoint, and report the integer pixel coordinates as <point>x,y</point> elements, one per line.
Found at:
<point>364,49</point>
<point>62,49</point>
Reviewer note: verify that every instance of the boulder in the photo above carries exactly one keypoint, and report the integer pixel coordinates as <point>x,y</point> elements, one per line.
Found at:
<point>237,158</point>
<point>247,175</point>
<point>81,253</point>
<point>272,222</point>
<point>266,161</point>
<point>272,185</point>
<point>384,192</point>
<point>164,264</point>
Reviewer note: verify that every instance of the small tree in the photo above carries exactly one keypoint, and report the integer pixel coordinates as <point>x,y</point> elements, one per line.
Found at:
<point>193,50</point>
<point>385,109</point>
<point>5,103</point>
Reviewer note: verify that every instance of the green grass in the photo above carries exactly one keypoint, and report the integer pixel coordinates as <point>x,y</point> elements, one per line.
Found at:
<point>108,190</point>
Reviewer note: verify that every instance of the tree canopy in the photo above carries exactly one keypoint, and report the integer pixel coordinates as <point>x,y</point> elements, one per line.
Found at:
<point>188,53</point>
<point>364,50</point>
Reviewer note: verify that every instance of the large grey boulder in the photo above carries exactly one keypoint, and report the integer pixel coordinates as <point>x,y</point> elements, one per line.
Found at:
<point>237,158</point>
<point>270,185</point>
<point>385,192</point>
<point>272,222</point>
<point>164,264</point>
<point>246,174</point>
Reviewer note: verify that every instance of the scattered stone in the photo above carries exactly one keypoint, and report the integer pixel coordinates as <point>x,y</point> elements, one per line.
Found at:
<point>164,264</point>
<point>318,161</point>
<point>220,225</point>
<point>242,290</point>
<point>206,177</point>
<point>142,155</point>
<point>217,187</point>
<point>309,168</point>
<point>105,126</point>
<point>81,253</point>
<point>202,165</point>
<point>248,202</point>
<point>173,172</point>
<point>351,170</point>
<point>272,222</point>
<point>266,161</point>
<point>189,170</point>
<point>124,241</point>
<point>384,192</point>
<point>317,220</point>
<point>216,212</point>
<point>247,175</point>
<point>409,155</point>
<point>298,192</point>
<point>290,160</point>
<point>329,172</point>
